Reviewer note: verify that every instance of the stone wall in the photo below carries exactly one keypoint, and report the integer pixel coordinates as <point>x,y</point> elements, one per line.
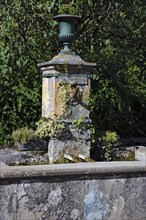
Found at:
<point>83,191</point>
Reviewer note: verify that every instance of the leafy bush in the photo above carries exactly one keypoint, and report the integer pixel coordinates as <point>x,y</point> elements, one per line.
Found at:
<point>49,127</point>
<point>23,135</point>
<point>108,141</point>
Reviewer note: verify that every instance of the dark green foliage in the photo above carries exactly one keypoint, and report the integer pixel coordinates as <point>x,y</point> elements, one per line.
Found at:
<point>115,39</point>
<point>111,33</point>
<point>26,39</point>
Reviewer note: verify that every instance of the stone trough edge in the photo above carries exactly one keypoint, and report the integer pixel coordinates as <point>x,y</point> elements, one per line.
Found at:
<point>89,168</point>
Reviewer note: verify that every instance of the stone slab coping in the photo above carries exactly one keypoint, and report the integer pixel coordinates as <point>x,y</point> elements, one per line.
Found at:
<point>83,169</point>
<point>62,59</point>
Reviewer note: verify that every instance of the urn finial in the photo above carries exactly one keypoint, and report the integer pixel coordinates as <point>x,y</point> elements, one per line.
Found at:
<point>66,30</point>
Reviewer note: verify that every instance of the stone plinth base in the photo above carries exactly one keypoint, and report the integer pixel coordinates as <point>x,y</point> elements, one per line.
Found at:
<point>72,141</point>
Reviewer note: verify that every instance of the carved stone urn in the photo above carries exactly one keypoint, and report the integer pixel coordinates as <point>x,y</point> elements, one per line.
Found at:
<point>66,30</point>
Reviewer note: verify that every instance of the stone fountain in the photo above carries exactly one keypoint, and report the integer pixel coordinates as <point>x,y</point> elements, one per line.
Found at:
<point>69,70</point>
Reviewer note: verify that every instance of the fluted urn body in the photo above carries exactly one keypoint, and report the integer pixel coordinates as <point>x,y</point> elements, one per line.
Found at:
<point>66,30</point>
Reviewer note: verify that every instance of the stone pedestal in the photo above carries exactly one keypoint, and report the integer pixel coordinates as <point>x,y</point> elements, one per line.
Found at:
<point>68,72</point>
